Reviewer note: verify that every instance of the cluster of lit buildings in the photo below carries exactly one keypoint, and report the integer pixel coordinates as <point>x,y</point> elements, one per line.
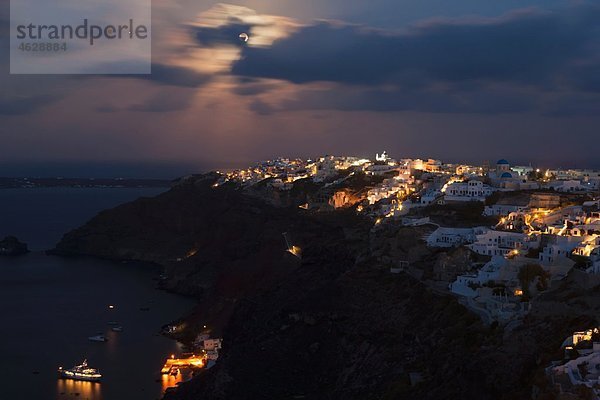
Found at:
<point>397,184</point>
<point>539,225</point>
<point>410,183</point>
<point>281,170</point>
<point>556,239</point>
<point>456,186</point>
<point>567,232</point>
<point>542,231</point>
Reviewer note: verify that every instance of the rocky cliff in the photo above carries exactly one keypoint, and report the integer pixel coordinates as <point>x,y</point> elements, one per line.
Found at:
<point>333,323</point>
<point>217,240</point>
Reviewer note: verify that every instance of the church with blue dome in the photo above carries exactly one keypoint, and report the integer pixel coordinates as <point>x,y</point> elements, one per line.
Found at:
<point>503,176</point>
<point>502,166</point>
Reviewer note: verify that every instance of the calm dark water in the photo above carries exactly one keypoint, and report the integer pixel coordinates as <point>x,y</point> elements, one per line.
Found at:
<point>49,305</point>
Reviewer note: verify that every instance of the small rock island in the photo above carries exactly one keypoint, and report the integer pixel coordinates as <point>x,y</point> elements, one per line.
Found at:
<point>11,246</point>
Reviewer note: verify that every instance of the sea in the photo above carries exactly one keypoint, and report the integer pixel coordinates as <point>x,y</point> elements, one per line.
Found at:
<point>49,305</point>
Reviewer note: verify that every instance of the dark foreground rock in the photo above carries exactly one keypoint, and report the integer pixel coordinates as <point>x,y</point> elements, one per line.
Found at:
<point>11,246</point>
<point>333,324</point>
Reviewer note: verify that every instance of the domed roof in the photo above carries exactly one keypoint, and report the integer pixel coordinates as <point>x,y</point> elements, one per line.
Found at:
<point>503,162</point>
<point>506,175</point>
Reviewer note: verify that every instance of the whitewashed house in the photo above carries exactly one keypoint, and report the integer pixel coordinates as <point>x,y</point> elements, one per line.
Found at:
<point>472,190</point>
<point>566,186</point>
<point>431,197</point>
<point>212,344</point>
<point>559,247</point>
<point>465,285</point>
<point>451,237</point>
<point>499,243</point>
<point>498,270</point>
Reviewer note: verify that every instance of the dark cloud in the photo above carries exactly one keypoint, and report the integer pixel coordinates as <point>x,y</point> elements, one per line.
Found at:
<point>450,99</point>
<point>526,47</point>
<point>226,34</point>
<point>478,65</point>
<point>446,85</point>
<point>253,88</point>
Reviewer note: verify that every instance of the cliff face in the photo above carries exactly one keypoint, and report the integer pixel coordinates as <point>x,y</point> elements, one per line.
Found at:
<point>214,241</point>
<point>333,324</point>
<point>328,332</point>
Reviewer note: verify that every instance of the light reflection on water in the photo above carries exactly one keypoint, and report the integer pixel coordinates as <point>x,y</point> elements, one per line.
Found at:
<point>69,389</point>
<point>172,381</point>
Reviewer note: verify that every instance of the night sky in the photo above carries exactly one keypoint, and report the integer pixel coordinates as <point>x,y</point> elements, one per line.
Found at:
<point>462,80</point>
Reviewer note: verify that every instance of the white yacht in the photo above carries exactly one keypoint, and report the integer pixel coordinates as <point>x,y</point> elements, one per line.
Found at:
<point>81,373</point>
<point>98,338</point>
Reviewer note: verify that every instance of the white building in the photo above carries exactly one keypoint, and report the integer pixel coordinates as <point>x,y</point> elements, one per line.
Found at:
<point>509,178</point>
<point>465,285</point>
<point>559,248</point>
<point>451,237</point>
<point>576,174</point>
<point>523,170</point>
<point>467,170</point>
<point>433,165</point>
<point>498,243</point>
<point>567,186</point>
<point>212,344</point>
<point>392,187</point>
<point>380,169</point>
<point>431,197</point>
<point>497,270</point>
<point>324,169</point>
<point>467,191</point>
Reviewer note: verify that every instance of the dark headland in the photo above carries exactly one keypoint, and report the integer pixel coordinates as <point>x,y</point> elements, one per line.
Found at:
<point>11,246</point>
<point>333,323</point>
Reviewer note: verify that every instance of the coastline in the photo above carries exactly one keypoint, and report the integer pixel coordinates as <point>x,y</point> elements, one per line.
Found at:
<point>66,297</point>
<point>81,289</point>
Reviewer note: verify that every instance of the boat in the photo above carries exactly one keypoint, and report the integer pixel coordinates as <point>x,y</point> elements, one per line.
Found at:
<point>117,328</point>
<point>81,373</point>
<point>98,338</point>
